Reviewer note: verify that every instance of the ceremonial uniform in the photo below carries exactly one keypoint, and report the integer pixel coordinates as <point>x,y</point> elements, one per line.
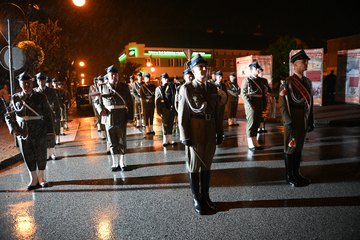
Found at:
<point>266,99</point>
<point>165,107</point>
<point>296,105</point>
<point>201,128</point>
<point>93,92</point>
<point>137,103</point>
<point>233,92</point>
<point>115,106</point>
<point>30,119</point>
<point>252,93</point>
<point>147,94</point>
<point>53,98</point>
<point>221,86</point>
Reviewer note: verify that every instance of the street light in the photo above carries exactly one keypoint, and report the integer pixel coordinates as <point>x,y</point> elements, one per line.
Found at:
<point>79,3</point>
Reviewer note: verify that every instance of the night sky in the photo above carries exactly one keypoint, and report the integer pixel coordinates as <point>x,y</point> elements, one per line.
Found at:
<point>100,30</point>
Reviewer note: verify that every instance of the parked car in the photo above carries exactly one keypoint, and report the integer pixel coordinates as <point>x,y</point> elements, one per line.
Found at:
<point>82,95</point>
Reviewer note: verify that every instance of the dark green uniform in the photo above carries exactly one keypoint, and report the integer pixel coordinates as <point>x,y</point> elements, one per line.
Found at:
<point>200,122</point>
<point>297,113</point>
<point>135,86</point>
<point>33,116</point>
<point>147,94</point>
<point>252,93</point>
<point>54,102</point>
<point>165,107</point>
<point>119,111</point>
<point>233,92</point>
<point>296,105</point>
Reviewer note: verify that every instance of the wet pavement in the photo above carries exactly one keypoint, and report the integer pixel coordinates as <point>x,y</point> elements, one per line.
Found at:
<point>153,200</point>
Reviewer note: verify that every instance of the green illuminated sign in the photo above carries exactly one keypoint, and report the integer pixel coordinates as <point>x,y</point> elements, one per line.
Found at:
<point>174,54</point>
<point>133,52</point>
<point>122,58</point>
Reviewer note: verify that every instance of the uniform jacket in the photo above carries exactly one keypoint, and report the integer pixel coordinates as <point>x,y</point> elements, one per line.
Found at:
<point>20,116</point>
<point>251,88</point>
<point>233,91</point>
<point>165,98</point>
<point>135,91</point>
<point>118,108</point>
<point>293,102</point>
<point>198,104</point>
<point>53,98</point>
<point>147,93</point>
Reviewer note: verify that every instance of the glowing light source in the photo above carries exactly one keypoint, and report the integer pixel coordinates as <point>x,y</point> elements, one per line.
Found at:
<point>82,75</point>
<point>79,3</point>
<point>148,64</point>
<point>82,81</point>
<point>81,63</point>
<point>152,69</point>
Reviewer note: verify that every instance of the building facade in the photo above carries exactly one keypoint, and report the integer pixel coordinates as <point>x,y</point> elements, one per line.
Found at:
<point>157,60</point>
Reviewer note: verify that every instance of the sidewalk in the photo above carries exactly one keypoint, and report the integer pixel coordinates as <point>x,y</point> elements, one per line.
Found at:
<point>10,154</point>
<point>333,115</point>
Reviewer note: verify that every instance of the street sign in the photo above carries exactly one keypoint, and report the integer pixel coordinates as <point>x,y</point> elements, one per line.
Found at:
<point>18,58</point>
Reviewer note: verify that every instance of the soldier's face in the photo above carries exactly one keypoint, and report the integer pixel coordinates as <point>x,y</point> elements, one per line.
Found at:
<point>300,66</point>
<point>146,79</point>
<point>200,72</point>
<point>41,83</point>
<point>26,86</point>
<point>113,77</point>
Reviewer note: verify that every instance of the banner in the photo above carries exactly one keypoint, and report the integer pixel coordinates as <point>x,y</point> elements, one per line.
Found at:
<point>314,71</point>
<point>243,71</point>
<point>347,84</point>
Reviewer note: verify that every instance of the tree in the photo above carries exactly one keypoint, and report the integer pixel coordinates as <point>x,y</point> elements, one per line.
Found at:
<point>129,68</point>
<point>34,55</point>
<point>48,37</point>
<point>280,51</point>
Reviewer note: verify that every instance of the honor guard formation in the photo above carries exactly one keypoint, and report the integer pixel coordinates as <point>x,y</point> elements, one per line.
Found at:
<point>195,107</point>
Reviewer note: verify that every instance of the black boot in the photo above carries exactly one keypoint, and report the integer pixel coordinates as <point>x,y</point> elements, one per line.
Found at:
<point>301,179</point>
<point>194,180</point>
<point>205,184</point>
<point>289,166</point>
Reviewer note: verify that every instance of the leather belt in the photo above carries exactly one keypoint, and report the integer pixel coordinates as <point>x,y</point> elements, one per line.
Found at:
<point>256,95</point>
<point>206,117</point>
<point>28,118</point>
<point>110,107</point>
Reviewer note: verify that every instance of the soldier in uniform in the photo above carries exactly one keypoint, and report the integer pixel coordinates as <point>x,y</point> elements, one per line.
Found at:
<point>201,129</point>
<point>233,92</point>
<point>115,106</point>
<point>67,100</point>
<point>62,101</point>
<point>252,93</point>
<point>222,92</point>
<point>137,103</point>
<point>30,120</point>
<point>296,105</point>
<point>147,94</point>
<point>267,99</point>
<point>53,99</point>
<point>165,107</point>
<point>93,92</point>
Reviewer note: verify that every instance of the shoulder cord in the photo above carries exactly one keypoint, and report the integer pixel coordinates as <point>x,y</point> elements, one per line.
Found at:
<point>293,97</point>
<point>148,90</point>
<point>194,109</point>
<point>257,85</point>
<point>117,94</point>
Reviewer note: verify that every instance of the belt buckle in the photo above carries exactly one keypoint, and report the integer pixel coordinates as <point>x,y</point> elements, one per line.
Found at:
<point>208,117</point>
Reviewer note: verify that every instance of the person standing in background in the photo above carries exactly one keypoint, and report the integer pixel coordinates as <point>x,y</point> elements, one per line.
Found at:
<point>147,94</point>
